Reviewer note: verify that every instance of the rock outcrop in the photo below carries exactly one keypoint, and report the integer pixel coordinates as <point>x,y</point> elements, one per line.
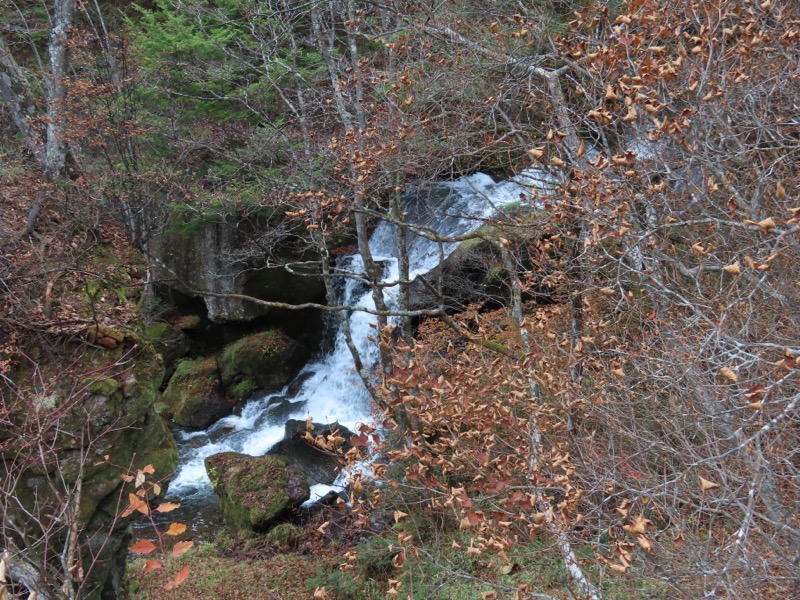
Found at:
<point>93,433</point>
<point>204,390</point>
<point>255,493</point>
<point>212,256</point>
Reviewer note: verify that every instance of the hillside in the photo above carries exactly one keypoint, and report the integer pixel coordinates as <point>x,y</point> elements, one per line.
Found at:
<point>595,395</point>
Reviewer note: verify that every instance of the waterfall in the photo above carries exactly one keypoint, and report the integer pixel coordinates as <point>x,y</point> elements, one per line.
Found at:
<point>329,389</point>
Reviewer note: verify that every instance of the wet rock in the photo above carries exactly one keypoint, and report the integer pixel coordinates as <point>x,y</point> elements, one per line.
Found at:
<point>318,466</point>
<point>280,408</point>
<point>256,492</point>
<point>193,398</point>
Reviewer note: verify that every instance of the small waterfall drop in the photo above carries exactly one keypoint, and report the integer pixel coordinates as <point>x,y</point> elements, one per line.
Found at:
<point>329,389</point>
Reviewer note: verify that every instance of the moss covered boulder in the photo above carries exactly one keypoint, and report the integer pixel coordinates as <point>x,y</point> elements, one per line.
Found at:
<point>266,360</point>
<point>169,342</point>
<point>256,492</point>
<point>194,398</point>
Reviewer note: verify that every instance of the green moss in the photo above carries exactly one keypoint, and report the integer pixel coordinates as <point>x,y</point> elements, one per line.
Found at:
<point>248,354</point>
<point>245,388</point>
<point>192,379</point>
<point>104,386</point>
<point>284,535</point>
<point>159,450</point>
<point>158,331</point>
<point>169,342</point>
<point>254,492</point>
<point>192,398</point>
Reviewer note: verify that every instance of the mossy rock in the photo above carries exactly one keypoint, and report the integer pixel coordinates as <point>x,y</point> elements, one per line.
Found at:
<point>244,389</point>
<point>269,358</point>
<point>193,397</point>
<point>186,322</point>
<point>123,429</point>
<point>255,492</point>
<point>171,343</point>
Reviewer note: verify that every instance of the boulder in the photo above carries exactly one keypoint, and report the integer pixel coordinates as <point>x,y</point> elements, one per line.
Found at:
<point>267,360</point>
<point>256,492</point>
<point>284,535</point>
<point>317,465</point>
<point>194,398</point>
<point>225,255</point>
<point>473,273</point>
<point>169,342</point>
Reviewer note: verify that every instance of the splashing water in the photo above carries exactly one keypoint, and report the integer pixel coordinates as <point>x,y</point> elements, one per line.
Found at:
<point>329,389</point>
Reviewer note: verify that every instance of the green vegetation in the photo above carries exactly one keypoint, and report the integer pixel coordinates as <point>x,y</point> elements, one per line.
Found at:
<point>614,371</point>
<point>256,492</point>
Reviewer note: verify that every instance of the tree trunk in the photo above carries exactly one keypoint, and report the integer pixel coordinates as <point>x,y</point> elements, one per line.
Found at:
<point>56,147</point>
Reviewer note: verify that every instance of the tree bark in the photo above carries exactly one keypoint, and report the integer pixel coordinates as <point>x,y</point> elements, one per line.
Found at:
<point>56,145</point>
<point>48,147</point>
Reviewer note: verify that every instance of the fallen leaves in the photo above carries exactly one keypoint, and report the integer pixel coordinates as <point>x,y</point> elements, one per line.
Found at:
<point>143,547</point>
<point>728,374</point>
<point>166,507</point>
<point>151,565</point>
<point>707,484</point>
<point>181,548</point>
<point>179,578</point>
<point>176,529</point>
<point>733,269</point>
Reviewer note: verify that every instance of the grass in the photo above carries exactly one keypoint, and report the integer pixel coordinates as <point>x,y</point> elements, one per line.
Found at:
<point>213,576</point>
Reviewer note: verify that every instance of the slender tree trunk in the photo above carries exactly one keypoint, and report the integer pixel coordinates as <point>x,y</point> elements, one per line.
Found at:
<point>16,94</point>
<point>49,148</point>
<point>56,146</point>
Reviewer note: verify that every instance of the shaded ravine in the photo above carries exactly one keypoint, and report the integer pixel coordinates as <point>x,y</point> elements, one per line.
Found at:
<point>328,389</point>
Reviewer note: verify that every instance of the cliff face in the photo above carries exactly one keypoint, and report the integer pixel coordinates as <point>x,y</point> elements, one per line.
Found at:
<point>210,258</point>
<point>68,450</point>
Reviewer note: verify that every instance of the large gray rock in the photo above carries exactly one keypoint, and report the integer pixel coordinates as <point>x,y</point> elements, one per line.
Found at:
<point>227,255</point>
<point>318,466</point>
<point>255,492</point>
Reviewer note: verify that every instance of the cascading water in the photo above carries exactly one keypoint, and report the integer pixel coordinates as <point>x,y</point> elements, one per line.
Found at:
<point>329,389</point>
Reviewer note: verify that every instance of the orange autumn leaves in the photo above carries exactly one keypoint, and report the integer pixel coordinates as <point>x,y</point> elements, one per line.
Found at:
<point>138,502</point>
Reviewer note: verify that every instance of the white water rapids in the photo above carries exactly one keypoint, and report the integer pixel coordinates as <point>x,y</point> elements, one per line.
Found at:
<point>329,389</point>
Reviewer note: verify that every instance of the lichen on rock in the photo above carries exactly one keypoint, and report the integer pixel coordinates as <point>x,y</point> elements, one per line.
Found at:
<point>255,492</point>
<point>194,398</point>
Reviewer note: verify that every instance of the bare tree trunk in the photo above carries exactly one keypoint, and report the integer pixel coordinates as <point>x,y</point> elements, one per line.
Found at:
<point>56,145</point>
<point>16,94</point>
<point>49,148</point>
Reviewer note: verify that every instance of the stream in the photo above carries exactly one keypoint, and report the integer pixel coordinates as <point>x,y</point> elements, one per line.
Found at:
<point>328,389</point>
